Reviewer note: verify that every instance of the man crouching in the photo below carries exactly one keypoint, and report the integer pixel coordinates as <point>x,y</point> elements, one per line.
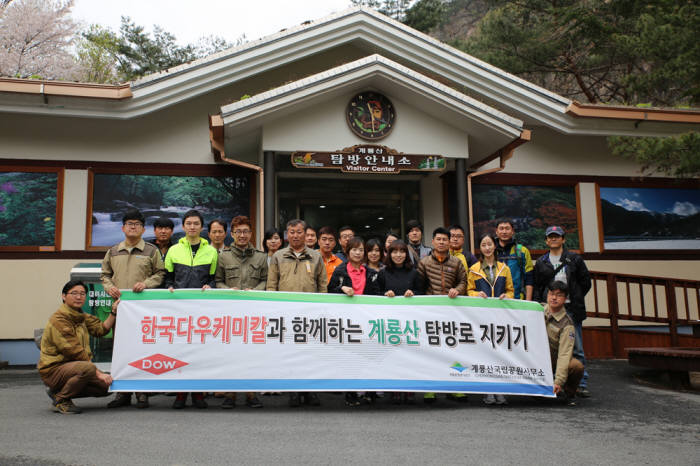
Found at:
<point>560,331</point>
<point>64,362</point>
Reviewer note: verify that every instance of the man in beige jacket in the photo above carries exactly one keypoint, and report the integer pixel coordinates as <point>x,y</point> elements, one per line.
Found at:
<point>298,268</point>
<point>136,265</point>
<point>561,334</point>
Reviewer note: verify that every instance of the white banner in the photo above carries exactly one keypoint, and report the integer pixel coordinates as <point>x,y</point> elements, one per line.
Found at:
<point>226,341</point>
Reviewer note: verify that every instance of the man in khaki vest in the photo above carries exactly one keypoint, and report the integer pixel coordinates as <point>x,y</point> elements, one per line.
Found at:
<point>241,267</point>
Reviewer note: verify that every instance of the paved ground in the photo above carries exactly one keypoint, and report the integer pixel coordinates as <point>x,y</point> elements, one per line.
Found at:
<point>624,423</point>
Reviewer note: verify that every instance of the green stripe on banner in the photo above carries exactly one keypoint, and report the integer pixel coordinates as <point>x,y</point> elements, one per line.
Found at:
<point>323,298</point>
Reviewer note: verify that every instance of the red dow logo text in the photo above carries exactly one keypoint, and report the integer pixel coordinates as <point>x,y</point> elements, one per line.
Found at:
<point>157,364</point>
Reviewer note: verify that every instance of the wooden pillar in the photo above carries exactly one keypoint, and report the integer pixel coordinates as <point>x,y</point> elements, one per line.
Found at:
<point>611,285</point>
<point>672,312</point>
<point>270,220</point>
<point>461,185</point>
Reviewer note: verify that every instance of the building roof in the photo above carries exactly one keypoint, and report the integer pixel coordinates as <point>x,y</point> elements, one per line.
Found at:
<point>369,31</point>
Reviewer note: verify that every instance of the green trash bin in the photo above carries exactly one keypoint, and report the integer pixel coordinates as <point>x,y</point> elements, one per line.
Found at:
<point>98,303</point>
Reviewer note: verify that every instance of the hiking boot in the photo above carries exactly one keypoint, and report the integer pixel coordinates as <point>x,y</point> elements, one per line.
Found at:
<point>312,399</point>
<point>198,401</point>
<point>122,399</point>
<point>180,401</point>
<point>458,397</point>
<point>570,401</point>
<point>141,400</point>
<point>229,403</point>
<point>294,401</point>
<point>351,399</point>
<point>66,407</point>
<point>51,394</point>
<point>429,398</point>
<point>582,392</point>
<point>253,402</point>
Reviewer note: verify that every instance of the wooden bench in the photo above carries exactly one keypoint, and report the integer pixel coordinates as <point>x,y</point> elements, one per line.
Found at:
<point>677,361</point>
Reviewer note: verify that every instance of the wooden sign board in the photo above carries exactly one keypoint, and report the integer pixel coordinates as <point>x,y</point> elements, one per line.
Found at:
<point>368,158</point>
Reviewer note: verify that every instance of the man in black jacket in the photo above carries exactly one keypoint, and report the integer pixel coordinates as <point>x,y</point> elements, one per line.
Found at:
<point>563,265</point>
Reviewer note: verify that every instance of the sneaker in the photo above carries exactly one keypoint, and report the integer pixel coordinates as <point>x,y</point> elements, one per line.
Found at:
<point>122,399</point>
<point>351,399</point>
<point>395,398</point>
<point>409,398</point>
<point>490,399</point>
<point>253,402</point>
<point>51,394</point>
<point>229,403</point>
<point>180,401</point>
<point>458,397</point>
<point>582,392</point>
<point>570,401</point>
<point>141,400</point>
<point>198,401</point>
<point>501,400</point>
<point>429,398</point>
<point>66,407</point>
<point>312,399</point>
<point>294,401</point>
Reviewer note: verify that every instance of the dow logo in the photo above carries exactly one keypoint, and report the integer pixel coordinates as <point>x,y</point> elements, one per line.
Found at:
<point>157,364</point>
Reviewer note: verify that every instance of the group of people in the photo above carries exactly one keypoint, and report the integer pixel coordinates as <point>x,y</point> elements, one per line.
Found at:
<point>317,261</point>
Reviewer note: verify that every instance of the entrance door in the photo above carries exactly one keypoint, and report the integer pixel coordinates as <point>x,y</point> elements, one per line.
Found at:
<point>371,208</point>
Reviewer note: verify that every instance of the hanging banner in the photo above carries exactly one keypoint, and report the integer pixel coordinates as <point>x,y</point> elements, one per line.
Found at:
<point>368,158</point>
<point>250,341</point>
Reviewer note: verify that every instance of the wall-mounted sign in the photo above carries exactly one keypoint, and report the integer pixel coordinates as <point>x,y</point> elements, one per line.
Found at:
<point>370,115</point>
<point>367,158</point>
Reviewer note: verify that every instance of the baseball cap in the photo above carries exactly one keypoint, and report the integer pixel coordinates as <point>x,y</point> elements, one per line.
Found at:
<point>554,230</point>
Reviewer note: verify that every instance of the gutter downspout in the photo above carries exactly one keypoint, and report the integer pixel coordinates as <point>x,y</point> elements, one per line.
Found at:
<point>504,154</point>
<point>216,137</point>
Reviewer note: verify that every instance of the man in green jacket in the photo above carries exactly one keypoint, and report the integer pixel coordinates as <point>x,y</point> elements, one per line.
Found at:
<point>65,361</point>
<point>241,267</point>
<point>191,263</point>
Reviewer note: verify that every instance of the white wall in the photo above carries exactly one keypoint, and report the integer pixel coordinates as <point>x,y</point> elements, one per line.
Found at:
<point>324,128</point>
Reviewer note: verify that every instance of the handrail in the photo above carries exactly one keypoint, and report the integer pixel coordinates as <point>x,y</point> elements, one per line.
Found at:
<point>646,299</point>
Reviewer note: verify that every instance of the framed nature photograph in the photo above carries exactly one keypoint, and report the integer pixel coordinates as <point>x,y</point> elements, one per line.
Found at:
<point>531,208</point>
<point>214,195</point>
<point>31,203</point>
<point>656,218</point>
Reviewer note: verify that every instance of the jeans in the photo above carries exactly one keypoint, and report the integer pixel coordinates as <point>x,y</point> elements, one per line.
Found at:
<point>578,351</point>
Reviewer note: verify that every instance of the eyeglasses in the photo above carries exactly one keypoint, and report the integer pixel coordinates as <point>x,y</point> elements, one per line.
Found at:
<point>134,224</point>
<point>347,236</point>
<point>80,294</point>
<point>241,232</point>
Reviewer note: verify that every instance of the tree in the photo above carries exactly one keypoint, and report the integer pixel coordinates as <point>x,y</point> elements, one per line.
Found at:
<point>35,39</point>
<point>625,52</point>
<point>393,8</point>
<point>426,14</point>
<point>109,57</point>
<point>97,55</point>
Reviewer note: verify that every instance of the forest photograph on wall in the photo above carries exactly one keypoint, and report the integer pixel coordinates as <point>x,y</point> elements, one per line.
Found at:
<point>215,197</point>
<point>29,206</point>
<point>531,209</point>
<point>650,218</point>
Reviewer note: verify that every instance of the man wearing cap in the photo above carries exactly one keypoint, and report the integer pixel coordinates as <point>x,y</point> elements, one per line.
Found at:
<point>560,264</point>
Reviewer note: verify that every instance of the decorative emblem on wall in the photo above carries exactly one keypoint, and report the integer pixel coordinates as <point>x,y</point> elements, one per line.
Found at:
<point>370,115</point>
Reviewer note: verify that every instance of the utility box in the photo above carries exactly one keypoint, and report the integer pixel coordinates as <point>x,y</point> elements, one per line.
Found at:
<point>97,303</point>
